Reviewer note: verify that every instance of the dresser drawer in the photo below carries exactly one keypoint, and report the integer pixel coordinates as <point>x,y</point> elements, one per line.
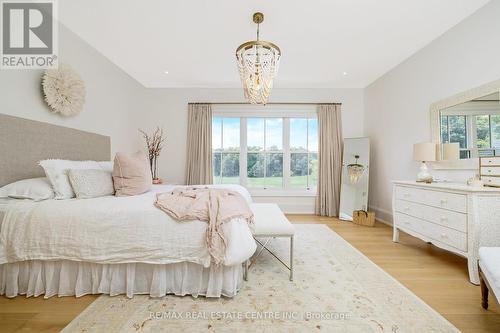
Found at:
<point>490,171</point>
<point>490,161</point>
<point>444,217</point>
<point>445,200</point>
<point>491,181</point>
<point>450,237</point>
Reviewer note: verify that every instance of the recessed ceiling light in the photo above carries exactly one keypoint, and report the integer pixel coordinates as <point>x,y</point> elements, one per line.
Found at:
<point>166,72</point>
<point>344,73</point>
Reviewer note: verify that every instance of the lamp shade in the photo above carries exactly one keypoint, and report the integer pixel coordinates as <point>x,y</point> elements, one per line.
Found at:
<point>424,152</point>
<point>450,151</point>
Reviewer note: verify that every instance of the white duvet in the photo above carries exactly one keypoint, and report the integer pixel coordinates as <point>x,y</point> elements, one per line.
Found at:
<point>113,230</point>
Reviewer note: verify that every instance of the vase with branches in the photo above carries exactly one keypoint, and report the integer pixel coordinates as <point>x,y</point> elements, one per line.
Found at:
<point>154,144</point>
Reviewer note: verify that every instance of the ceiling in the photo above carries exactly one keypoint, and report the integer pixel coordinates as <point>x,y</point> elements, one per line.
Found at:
<point>325,43</point>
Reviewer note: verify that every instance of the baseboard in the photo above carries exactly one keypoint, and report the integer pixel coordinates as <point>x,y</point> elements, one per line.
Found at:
<point>291,205</point>
<point>382,215</point>
<point>297,209</point>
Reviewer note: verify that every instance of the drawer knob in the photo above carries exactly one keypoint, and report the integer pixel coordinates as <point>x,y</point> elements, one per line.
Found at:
<point>406,195</point>
<point>444,236</point>
<point>407,209</point>
<point>443,201</point>
<point>444,218</point>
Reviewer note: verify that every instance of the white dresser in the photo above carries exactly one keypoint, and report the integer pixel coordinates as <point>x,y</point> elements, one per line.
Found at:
<point>452,216</point>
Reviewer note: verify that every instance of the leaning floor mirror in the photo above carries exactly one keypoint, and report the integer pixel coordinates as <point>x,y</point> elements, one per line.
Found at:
<point>355,171</point>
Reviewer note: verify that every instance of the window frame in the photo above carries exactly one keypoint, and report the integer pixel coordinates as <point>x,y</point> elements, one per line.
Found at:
<point>285,112</point>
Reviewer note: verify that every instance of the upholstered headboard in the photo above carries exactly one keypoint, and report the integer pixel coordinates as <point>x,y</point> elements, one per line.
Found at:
<point>24,142</point>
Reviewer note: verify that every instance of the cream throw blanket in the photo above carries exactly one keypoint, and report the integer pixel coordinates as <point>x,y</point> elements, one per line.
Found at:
<point>215,206</point>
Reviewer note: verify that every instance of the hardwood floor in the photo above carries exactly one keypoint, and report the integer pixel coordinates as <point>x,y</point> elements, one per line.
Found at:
<point>436,276</point>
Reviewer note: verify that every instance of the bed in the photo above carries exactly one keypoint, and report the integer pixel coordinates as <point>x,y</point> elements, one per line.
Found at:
<point>104,245</point>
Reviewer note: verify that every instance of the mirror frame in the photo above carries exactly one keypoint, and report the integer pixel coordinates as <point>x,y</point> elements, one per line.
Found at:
<point>465,96</point>
<point>366,174</point>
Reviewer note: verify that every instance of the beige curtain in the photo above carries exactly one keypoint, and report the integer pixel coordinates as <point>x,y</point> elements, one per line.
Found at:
<point>330,160</point>
<point>199,145</point>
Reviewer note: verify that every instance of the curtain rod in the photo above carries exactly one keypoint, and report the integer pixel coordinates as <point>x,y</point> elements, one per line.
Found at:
<point>271,103</point>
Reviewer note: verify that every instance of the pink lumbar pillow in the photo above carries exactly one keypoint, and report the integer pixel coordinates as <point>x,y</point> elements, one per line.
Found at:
<point>131,174</point>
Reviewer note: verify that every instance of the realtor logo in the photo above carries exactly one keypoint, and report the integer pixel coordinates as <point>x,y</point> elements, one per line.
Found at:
<point>29,34</point>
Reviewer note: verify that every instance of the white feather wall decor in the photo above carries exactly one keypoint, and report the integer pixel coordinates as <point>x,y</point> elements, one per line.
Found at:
<point>64,90</point>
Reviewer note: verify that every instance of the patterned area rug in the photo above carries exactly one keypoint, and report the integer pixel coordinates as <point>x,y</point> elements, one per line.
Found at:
<point>336,289</point>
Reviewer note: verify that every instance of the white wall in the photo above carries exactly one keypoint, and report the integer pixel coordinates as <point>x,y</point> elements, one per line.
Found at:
<point>397,104</point>
<point>113,97</point>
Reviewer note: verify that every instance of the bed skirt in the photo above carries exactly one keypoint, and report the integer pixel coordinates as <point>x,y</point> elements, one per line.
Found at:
<point>71,278</point>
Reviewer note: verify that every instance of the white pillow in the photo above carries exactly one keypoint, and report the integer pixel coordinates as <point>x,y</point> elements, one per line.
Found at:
<point>57,173</point>
<point>36,189</point>
<point>107,166</point>
<point>91,183</point>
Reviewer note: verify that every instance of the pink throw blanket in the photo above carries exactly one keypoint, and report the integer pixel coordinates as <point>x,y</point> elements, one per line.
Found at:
<point>215,206</point>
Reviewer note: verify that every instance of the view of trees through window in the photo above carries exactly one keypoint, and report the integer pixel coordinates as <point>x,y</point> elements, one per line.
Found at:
<point>454,129</point>
<point>280,152</point>
<point>265,152</point>
<point>303,152</point>
<point>477,135</point>
<point>226,150</point>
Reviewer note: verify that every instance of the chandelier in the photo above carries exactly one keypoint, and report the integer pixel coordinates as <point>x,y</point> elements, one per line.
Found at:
<point>355,171</point>
<point>258,63</point>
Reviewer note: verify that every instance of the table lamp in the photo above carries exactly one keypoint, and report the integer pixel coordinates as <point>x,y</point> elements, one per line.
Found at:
<point>424,152</point>
<point>450,151</point>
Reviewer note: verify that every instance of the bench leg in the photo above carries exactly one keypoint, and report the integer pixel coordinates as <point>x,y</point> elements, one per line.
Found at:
<point>289,266</point>
<point>245,270</point>
<point>484,292</point>
<point>291,258</point>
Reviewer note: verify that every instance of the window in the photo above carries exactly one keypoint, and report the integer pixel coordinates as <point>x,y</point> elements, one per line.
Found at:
<point>477,135</point>
<point>226,150</point>
<point>454,129</point>
<point>303,152</point>
<point>266,152</point>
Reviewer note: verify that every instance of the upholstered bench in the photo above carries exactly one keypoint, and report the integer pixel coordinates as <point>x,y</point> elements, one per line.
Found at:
<point>270,223</point>
<point>489,273</point>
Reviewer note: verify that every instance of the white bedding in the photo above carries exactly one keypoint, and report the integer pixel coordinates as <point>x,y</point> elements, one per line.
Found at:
<point>4,202</point>
<point>113,230</point>
<point>68,278</point>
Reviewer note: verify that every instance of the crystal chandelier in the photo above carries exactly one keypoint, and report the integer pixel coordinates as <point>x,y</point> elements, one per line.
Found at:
<point>355,171</point>
<point>258,63</point>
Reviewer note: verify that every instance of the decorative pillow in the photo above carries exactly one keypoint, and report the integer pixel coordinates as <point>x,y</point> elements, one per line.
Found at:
<point>57,173</point>
<point>131,174</point>
<point>106,166</point>
<point>89,183</point>
<point>36,189</point>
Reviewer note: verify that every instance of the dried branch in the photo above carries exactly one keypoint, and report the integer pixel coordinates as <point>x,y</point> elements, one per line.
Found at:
<point>154,142</point>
